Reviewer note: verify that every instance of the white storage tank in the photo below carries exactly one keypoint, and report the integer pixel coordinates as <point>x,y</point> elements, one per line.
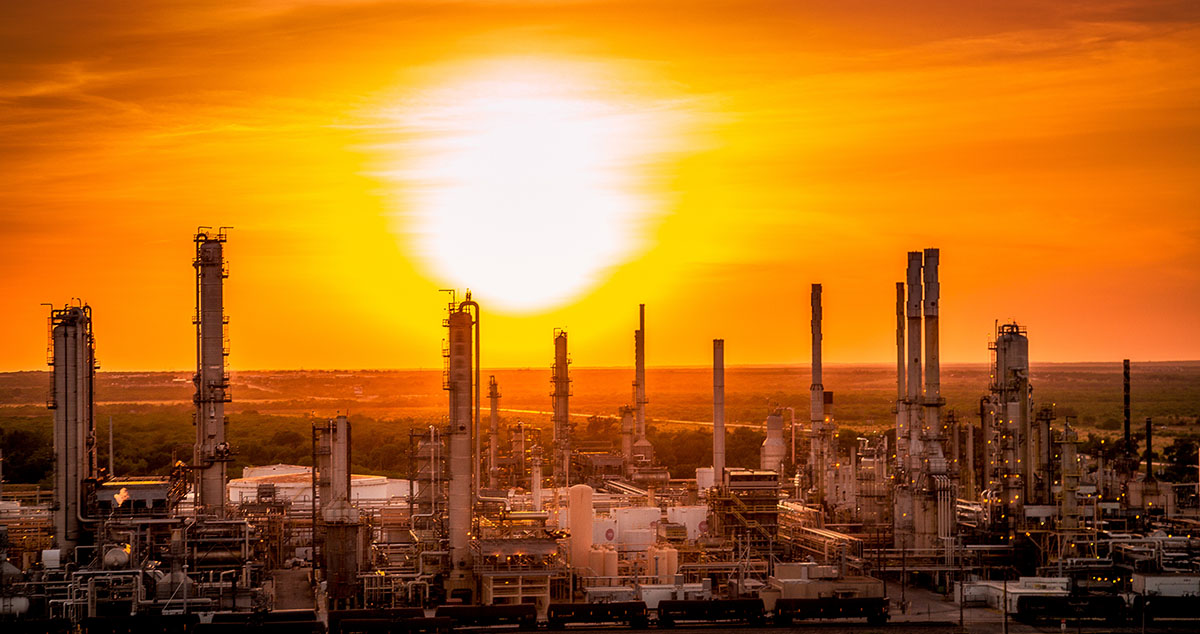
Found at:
<point>704,479</point>
<point>580,503</point>
<point>604,531</point>
<point>635,518</point>
<point>612,566</point>
<point>636,540</point>
<point>689,516</point>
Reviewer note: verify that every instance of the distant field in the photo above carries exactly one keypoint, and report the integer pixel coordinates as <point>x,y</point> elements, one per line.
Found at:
<point>270,410</point>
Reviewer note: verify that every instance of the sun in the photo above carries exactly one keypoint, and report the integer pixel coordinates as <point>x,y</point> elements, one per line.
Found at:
<point>526,182</point>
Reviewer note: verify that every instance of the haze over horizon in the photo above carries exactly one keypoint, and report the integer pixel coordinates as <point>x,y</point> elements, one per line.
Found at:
<point>568,161</point>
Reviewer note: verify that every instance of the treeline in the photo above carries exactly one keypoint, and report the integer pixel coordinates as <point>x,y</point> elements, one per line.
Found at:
<point>148,439</point>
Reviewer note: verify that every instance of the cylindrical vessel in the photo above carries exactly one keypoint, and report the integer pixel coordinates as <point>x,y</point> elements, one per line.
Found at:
<point>773,450</point>
<point>459,496</point>
<point>580,502</point>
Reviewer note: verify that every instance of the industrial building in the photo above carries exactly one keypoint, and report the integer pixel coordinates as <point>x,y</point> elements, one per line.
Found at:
<point>504,524</point>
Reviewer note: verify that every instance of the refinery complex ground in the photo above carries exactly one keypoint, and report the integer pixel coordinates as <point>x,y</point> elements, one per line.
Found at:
<point>958,503</point>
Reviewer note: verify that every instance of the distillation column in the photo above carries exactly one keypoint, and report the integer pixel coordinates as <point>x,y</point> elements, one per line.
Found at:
<point>74,364</point>
<point>562,422</point>
<point>1007,418</point>
<point>1069,506</point>
<point>462,325</point>
<point>212,453</point>
<point>718,410</point>
<point>342,524</point>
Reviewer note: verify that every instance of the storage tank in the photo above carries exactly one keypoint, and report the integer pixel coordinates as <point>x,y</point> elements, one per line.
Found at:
<point>691,517</point>
<point>612,566</point>
<point>579,500</point>
<point>636,540</point>
<point>773,448</point>
<point>604,531</point>
<point>596,561</point>
<point>705,478</point>
<point>635,518</point>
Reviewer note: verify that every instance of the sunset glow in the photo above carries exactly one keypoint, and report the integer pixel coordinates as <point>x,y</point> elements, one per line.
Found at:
<point>523,181</point>
<point>567,161</point>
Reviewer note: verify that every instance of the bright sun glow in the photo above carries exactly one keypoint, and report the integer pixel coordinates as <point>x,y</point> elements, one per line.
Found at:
<point>523,182</point>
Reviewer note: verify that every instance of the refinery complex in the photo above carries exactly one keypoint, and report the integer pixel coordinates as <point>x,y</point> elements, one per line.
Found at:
<point>518,526</point>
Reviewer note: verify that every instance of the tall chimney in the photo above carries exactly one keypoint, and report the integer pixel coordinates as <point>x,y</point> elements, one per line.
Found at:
<point>901,389</point>
<point>493,433</point>
<point>718,409</point>
<point>1149,451</point>
<point>643,450</point>
<point>817,390</point>
<point>913,380</point>
<point>562,426</point>
<point>639,376</point>
<point>1128,418</point>
<point>817,401</point>
<point>933,396</point>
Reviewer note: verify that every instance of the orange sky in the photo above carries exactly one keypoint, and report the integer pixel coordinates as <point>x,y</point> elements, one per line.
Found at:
<point>741,150</point>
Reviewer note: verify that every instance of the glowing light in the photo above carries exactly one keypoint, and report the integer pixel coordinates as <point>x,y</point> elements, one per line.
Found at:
<point>526,181</point>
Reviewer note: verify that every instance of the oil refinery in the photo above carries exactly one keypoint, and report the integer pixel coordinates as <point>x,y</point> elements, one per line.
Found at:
<point>516,526</point>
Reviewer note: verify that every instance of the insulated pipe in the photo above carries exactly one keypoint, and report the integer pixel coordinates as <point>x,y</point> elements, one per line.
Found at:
<point>718,409</point>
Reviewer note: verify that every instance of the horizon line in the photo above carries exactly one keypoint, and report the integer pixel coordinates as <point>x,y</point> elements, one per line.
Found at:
<point>613,367</point>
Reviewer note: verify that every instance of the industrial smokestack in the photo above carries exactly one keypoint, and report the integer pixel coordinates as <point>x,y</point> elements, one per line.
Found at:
<point>1149,451</point>
<point>718,409</point>
<point>74,367</point>
<point>627,433</point>
<point>817,389</point>
<point>562,428</point>
<point>639,376</point>
<point>901,389</point>
<point>643,451</point>
<point>913,378</point>
<point>1128,418</point>
<point>212,453</point>
<point>933,373</point>
<point>817,401</point>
